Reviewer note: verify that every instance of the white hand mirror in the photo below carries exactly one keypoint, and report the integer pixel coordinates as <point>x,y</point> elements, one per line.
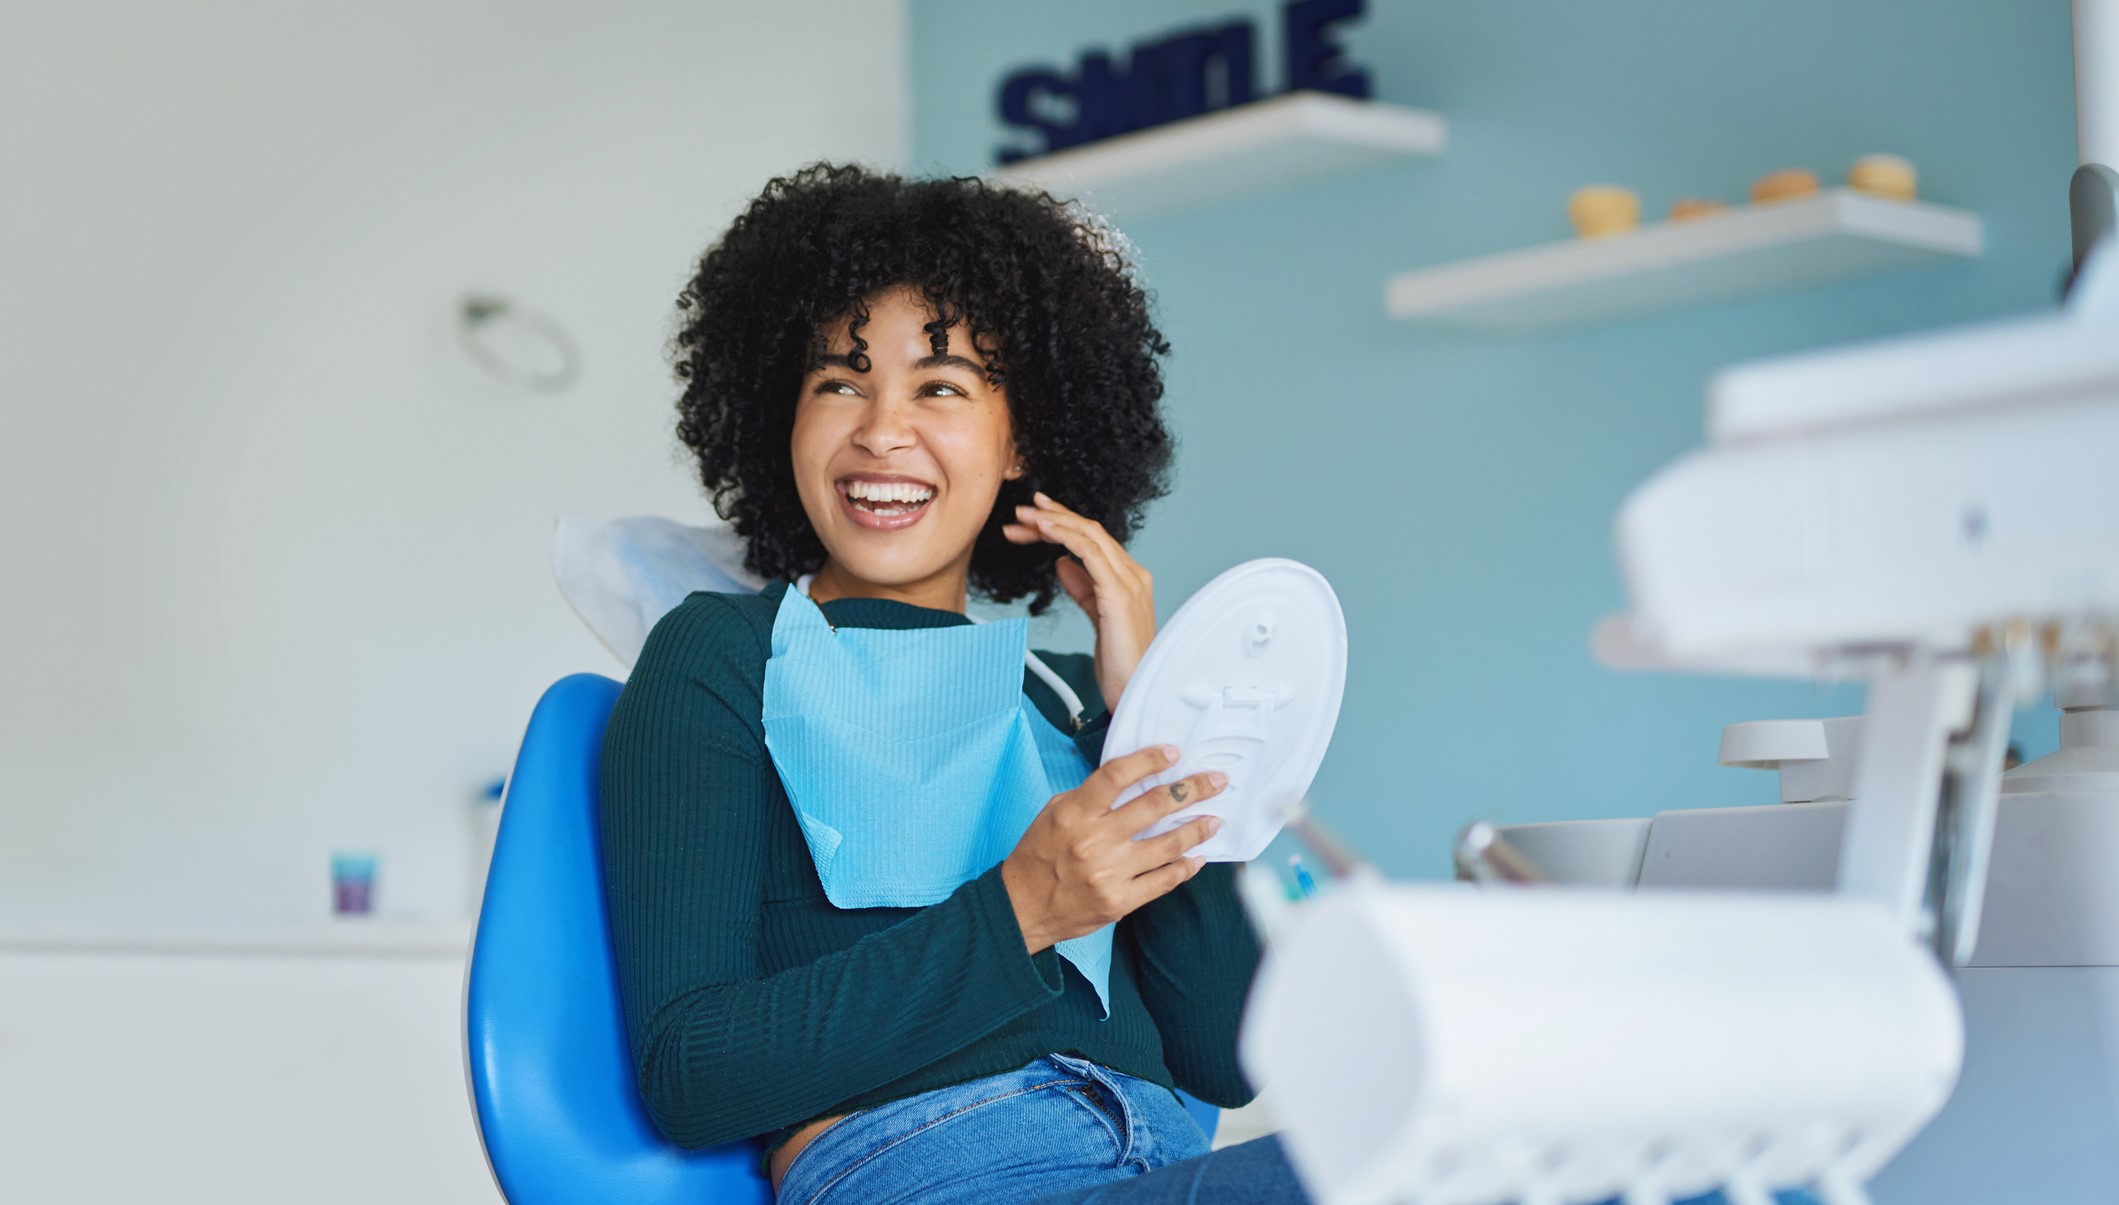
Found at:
<point>1245,679</point>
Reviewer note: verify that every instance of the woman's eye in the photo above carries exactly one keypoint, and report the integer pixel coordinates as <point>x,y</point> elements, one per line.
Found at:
<point>944,389</point>
<point>844,388</point>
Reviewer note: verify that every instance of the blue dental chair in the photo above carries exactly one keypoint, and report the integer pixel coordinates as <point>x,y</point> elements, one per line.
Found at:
<point>550,1073</point>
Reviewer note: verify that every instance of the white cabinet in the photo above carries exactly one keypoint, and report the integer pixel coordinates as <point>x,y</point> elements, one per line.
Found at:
<point>203,1071</point>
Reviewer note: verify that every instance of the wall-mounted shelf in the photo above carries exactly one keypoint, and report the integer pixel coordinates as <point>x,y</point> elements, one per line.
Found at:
<point>1751,250</point>
<point>1234,152</point>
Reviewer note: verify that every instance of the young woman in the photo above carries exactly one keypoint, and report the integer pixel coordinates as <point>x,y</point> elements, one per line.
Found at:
<point>868,892</point>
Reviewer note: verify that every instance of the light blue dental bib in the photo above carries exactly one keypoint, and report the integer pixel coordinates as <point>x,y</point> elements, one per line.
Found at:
<point>913,759</point>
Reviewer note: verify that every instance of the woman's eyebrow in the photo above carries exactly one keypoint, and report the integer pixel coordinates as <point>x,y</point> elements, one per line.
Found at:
<point>923,364</point>
<point>946,361</point>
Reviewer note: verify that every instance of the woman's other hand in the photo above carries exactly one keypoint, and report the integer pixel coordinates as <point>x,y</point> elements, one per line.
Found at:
<point>1078,867</point>
<point>1116,592</point>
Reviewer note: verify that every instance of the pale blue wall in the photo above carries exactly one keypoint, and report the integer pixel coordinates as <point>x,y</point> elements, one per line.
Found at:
<point>1459,490</point>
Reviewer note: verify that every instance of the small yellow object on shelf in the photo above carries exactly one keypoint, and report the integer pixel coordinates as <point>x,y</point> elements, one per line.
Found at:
<point>1685,209</point>
<point>1884,176</point>
<point>1602,210</point>
<point>1783,186</point>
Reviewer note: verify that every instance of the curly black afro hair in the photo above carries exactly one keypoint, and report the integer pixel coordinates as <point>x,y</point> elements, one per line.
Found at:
<point>1051,307</point>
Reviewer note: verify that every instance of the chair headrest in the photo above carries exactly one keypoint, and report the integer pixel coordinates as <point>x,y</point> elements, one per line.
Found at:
<point>623,575</point>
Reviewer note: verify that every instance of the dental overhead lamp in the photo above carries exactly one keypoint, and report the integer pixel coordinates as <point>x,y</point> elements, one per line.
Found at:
<point>1937,516</point>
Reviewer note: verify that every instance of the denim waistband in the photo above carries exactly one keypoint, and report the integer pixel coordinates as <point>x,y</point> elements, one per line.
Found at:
<point>1056,1123</point>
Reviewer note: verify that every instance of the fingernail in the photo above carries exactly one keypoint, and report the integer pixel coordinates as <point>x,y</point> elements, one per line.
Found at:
<point>1169,753</point>
<point>1213,825</point>
<point>1217,779</point>
<point>1041,496</point>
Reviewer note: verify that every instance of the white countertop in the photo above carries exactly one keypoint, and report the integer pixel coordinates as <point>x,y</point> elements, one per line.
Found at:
<point>382,936</point>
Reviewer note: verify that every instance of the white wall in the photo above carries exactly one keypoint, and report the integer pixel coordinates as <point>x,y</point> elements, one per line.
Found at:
<point>276,574</point>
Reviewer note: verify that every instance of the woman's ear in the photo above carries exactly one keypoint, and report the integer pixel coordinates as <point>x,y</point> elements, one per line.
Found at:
<point>1015,470</point>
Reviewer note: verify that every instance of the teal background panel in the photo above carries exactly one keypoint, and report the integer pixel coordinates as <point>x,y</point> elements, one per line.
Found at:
<point>1459,489</point>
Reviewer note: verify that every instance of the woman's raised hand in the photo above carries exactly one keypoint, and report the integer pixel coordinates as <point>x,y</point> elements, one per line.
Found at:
<point>1078,867</point>
<point>1104,581</point>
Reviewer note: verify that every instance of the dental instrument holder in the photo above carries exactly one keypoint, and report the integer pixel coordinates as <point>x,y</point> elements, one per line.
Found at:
<point>1548,1049</point>
<point>1271,912</point>
<point>1342,862</point>
<point>1458,1046</point>
<point>1482,855</point>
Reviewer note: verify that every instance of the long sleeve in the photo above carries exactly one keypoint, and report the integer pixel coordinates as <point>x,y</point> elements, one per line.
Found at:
<point>1196,955</point>
<point>724,1050</point>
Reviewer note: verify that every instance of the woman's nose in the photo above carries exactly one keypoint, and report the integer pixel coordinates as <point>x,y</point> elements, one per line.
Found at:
<point>886,428</point>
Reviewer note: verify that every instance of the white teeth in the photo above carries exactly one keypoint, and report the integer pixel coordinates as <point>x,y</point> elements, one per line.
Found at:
<point>888,491</point>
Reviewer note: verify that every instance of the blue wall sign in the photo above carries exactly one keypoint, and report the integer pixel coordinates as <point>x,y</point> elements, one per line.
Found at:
<point>1175,76</point>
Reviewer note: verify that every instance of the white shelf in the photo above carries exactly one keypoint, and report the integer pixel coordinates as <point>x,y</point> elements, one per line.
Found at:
<point>1751,250</point>
<point>1233,152</point>
<point>367,937</point>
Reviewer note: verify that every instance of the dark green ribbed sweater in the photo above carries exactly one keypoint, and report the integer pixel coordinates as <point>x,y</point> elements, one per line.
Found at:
<point>754,1005</point>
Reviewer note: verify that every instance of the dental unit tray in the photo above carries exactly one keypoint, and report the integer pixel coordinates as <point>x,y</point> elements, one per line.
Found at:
<point>1246,678</point>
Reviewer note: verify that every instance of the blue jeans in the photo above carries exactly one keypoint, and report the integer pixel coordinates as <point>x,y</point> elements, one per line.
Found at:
<point>1059,1130</point>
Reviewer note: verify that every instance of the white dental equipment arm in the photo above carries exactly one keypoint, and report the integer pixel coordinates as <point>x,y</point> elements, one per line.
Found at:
<point>1931,514</point>
<point>1934,515</point>
<point>1937,516</point>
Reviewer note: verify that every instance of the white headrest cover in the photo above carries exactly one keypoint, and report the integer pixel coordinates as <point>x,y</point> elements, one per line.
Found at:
<point>624,575</point>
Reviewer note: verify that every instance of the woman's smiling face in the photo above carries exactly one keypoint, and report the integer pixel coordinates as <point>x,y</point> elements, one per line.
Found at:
<point>898,464</point>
